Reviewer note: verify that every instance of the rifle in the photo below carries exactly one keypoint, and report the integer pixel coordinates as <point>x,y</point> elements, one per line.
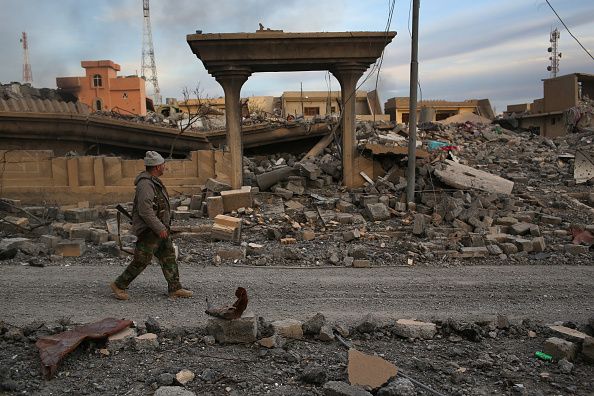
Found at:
<point>121,210</point>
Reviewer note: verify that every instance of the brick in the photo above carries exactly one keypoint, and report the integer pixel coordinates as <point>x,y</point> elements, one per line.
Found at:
<point>214,206</point>
<point>560,349</point>
<point>80,231</point>
<point>236,331</point>
<point>288,241</point>
<point>288,328</point>
<point>235,199</point>
<point>70,248</point>
<point>409,328</point>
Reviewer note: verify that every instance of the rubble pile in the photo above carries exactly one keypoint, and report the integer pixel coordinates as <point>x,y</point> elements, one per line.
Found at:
<point>290,356</point>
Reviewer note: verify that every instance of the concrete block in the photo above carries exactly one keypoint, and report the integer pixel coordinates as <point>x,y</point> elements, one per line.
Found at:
<point>70,248</point>
<point>146,341</point>
<point>560,349</point>
<point>99,236</point>
<point>348,236</point>
<point>567,332</point>
<point>509,248</point>
<point>288,328</point>
<point>295,188</point>
<point>505,221</point>
<point>345,207</point>
<point>196,202</point>
<point>214,206</point>
<point>236,331</point>
<point>366,370</point>
<point>229,253</point>
<point>235,199</point>
<point>520,228</point>
<point>226,228</point>
<point>575,249</point>
<point>420,224</point>
<point>81,215</point>
<point>274,341</point>
<point>472,251</point>
<point>181,214</point>
<point>409,328</point>
<point>344,218</point>
<point>524,245</point>
<point>50,240</point>
<point>377,211</point>
<point>359,263</point>
<point>216,186</point>
<point>283,192</point>
<point>538,244</point>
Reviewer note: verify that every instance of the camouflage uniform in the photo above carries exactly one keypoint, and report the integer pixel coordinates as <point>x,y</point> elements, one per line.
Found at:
<point>150,216</point>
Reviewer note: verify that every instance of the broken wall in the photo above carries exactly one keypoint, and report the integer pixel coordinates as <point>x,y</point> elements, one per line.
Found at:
<point>560,93</point>
<point>35,176</point>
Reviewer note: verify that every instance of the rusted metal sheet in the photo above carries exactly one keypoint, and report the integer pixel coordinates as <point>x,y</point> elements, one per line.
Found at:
<point>54,348</point>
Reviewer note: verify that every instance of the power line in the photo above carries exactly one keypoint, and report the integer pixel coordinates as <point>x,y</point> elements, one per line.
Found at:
<point>569,31</point>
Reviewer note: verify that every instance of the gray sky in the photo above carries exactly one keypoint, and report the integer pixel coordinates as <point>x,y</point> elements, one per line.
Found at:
<point>467,49</point>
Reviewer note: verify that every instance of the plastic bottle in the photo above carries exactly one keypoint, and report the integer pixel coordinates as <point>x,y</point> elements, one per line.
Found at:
<point>543,356</point>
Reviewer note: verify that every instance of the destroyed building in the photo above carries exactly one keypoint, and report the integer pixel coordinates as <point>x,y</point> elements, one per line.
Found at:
<point>567,103</point>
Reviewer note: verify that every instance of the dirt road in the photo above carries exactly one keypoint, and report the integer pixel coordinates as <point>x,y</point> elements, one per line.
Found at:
<point>81,293</point>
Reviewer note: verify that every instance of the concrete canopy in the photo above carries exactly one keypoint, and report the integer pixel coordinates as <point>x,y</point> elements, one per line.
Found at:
<point>232,57</point>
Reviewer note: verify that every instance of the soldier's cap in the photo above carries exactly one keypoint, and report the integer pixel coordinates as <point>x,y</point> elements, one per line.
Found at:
<point>152,158</point>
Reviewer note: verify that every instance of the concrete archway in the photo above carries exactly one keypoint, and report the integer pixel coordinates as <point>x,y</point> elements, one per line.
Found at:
<point>231,58</point>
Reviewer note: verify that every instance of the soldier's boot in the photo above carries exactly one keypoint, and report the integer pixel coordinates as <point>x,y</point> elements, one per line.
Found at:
<point>120,294</point>
<point>183,293</point>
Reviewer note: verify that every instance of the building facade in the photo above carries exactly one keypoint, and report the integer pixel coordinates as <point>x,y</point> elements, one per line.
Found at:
<point>103,90</point>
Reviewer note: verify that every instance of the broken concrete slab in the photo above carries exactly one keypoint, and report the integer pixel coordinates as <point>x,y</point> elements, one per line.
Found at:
<point>572,334</point>
<point>216,185</point>
<point>559,348</point>
<point>377,211</point>
<point>372,371</point>
<point>465,177</point>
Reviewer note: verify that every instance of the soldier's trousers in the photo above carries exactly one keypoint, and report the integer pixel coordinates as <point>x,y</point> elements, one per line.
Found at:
<point>148,245</point>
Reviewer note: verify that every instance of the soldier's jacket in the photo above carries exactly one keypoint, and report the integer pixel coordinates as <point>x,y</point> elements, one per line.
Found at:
<point>151,205</point>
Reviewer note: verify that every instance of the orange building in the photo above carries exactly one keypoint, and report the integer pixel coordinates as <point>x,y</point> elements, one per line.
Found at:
<point>103,89</point>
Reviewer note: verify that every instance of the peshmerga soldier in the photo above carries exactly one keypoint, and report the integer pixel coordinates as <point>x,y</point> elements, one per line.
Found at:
<point>151,218</point>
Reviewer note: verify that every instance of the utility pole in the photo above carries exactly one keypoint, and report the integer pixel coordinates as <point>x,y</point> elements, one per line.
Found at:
<point>27,75</point>
<point>554,58</point>
<point>412,106</point>
<point>148,54</point>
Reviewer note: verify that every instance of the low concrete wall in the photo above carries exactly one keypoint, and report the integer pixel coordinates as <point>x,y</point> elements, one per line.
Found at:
<point>36,176</point>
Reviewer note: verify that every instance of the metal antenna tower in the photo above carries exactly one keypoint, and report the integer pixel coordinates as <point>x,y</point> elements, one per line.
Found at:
<point>27,75</point>
<point>148,66</point>
<point>554,58</point>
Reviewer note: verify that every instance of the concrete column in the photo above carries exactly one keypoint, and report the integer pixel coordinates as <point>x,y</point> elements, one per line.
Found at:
<point>232,79</point>
<point>347,75</point>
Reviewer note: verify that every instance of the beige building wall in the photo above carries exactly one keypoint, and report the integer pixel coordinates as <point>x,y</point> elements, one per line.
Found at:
<point>35,176</point>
